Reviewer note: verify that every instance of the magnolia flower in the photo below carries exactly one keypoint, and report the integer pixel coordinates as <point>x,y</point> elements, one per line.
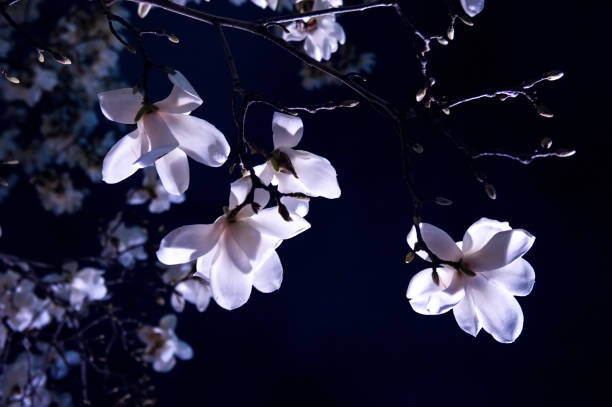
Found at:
<point>166,135</point>
<point>321,34</point>
<point>154,192</point>
<point>237,251</point>
<point>472,7</point>
<point>22,384</point>
<point>20,305</point>
<point>87,284</point>
<point>163,344</point>
<point>195,290</point>
<point>487,272</point>
<point>124,243</point>
<point>296,170</point>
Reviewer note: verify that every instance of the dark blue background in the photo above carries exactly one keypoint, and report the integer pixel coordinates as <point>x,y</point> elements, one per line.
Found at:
<point>340,330</point>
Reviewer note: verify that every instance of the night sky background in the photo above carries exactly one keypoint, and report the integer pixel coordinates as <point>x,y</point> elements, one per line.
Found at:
<point>340,331</point>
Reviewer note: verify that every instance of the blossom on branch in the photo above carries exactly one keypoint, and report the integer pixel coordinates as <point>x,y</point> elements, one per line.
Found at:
<point>321,35</point>
<point>153,191</point>
<point>163,344</point>
<point>166,135</point>
<point>486,272</point>
<point>472,7</point>
<point>237,251</point>
<point>186,287</point>
<point>296,170</point>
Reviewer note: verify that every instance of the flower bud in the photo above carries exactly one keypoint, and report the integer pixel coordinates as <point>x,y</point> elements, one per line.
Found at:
<point>466,20</point>
<point>554,75</point>
<point>435,277</point>
<point>41,57</point>
<point>13,79</point>
<point>442,40</point>
<point>440,200</point>
<point>544,112</point>
<point>446,111</point>
<point>417,148</point>
<point>546,143</point>
<point>421,94</point>
<point>564,152</point>
<point>62,59</point>
<point>173,38</point>
<point>490,190</point>
<point>450,33</point>
<point>409,257</point>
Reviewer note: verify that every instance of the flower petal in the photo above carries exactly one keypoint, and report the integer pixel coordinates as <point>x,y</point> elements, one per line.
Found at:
<point>466,315</point>
<point>183,350</point>
<point>269,275</point>
<point>269,221</point>
<point>472,7</point>
<point>239,190</point>
<point>182,99</point>
<point>287,130</point>
<point>480,233</point>
<point>497,309</point>
<point>186,243</point>
<point>157,139</point>
<point>517,277</point>
<point>314,172</point>
<point>168,322</point>
<point>173,170</point>
<point>298,206</point>
<point>143,9</point>
<point>501,250</point>
<point>265,172</point>
<point>428,298</point>
<point>437,240</point>
<point>231,287</point>
<point>119,161</point>
<point>198,138</point>
<point>120,105</point>
<point>246,237</point>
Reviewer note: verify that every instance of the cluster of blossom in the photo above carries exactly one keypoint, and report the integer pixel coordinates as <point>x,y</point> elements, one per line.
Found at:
<point>153,192</point>
<point>162,344</point>
<point>124,243</point>
<point>63,131</point>
<point>187,287</point>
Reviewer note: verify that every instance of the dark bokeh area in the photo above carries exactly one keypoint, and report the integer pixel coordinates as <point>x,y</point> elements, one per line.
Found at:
<point>340,331</point>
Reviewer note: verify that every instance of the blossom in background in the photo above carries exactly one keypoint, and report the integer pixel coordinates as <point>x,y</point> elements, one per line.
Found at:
<point>124,243</point>
<point>20,307</point>
<point>87,285</point>
<point>480,290</point>
<point>165,136</point>
<point>162,344</point>
<point>321,35</point>
<point>31,89</point>
<point>296,170</point>
<point>153,191</point>
<point>472,7</point>
<point>237,251</point>
<point>58,194</point>
<point>186,287</point>
<point>22,384</point>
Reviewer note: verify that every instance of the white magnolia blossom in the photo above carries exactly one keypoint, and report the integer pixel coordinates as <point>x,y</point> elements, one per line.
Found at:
<point>321,35</point>
<point>21,307</point>
<point>165,136</point>
<point>296,170</point>
<point>144,8</point>
<point>153,191</point>
<point>163,344</point>
<point>186,287</point>
<point>480,290</point>
<point>126,244</point>
<point>87,285</point>
<point>236,252</point>
<point>472,7</point>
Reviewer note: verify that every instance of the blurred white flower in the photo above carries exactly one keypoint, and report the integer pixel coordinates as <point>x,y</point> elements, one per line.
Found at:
<point>58,194</point>
<point>321,35</point>
<point>19,305</point>
<point>42,80</point>
<point>488,271</point>
<point>472,7</point>
<point>125,243</point>
<point>166,135</point>
<point>296,170</point>
<point>22,384</point>
<point>186,287</point>
<point>144,8</point>
<point>236,252</point>
<point>87,284</point>
<point>163,344</point>
<point>152,190</point>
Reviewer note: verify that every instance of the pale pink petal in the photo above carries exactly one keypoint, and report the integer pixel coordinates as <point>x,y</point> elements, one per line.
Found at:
<point>173,170</point>
<point>501,250</point>
<point>198,138</point>
<point>466,315</point>
<point>270,222</point>
<point>480,233</point>
<point>231,287</point>
<point>120,105</point>
<point>428,298</point>
<point>437,240</point>
<point>119,161</point>
<point>287,130</point>
<point>183,98</point>
<point>189,242</point>
<point>269,275</point>
<point>517,277</point>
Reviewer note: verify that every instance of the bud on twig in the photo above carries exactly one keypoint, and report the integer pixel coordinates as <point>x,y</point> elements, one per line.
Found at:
<point>435,277</point>
<point>544,112</point>
<point>564,152</point>
<point>409,257</point>
<point>13,79</point>
<point>490,190</point>
<point>62,59</point>
<point>450,33</point>
<point>446,111</point>
<point>554,75</point>
<point>466,20</point>
<point>173,38</point>
<point>546,143</point>
<point>41,56</point>
<point>440,200</point>
<point>421,94</point>
<point>417,148</point>
<point>442,40</point>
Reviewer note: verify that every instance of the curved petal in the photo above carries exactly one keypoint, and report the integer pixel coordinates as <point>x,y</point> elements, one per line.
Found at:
<point>517,277</point>
<point>143,9</point>
<point>287,130</point>
<point>312,48</point>
<point>231,287</point>
<point>265,172</point>
<point>501,250</point>
<point>163,366</point>
<point>183,350</point>
<point>119,161</point>
<point>428,298</point>
<point>198,138</point>
<point>173,170</point>
<point>168,322</point>
<point>498,311</point>
<point>177,302</point>
<point>293,33</point>
<point>246,237</point>
<point>157,139</point>
<point>437,240</point>
<point>269,275</point>
<point>239,190</point>
<point>186,243</point>
<point>466,315</point>
<point>472,7</point>
<point>204,264</point>
<point>182,99</point>
<point>269,221</point>
<point>298,206</point>
<point>481,232</point>
<point>120,105</point>
<point>314,172</point>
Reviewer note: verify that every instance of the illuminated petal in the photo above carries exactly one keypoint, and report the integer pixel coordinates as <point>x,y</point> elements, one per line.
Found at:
<point>501,250</point>
<point>517,277</point>
<point>466,316</point>
<point>481,232</point>
<point>187,243</point>
<point>182,99</point>
<point>437,240</point>
<point>120,105</point>
<point>173,170</point>
<point>472,7</point>
<point>287,130</point>
<point>269,275</point>
<point>428,298</point>
<point>119,161</point>
<point>158,138</point>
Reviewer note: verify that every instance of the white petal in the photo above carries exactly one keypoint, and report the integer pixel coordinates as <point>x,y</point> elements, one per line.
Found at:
<point>265,172</point>
<point>428,298</point>
<point>143,9</point>
<point>269,275</point>
<point>157,139</point>
<point>287,130</point>
<point>437,240</point>
<point>186,243</point>
<point>315,172</point>
<point>497,309</point>
<point>466,315</point>
<point>293,33</point>
<point>239,190</point>
<point>472,7</point>
<point>119,161</point>
<point>231,287</point>
<point>269,221</point>
<point>173,170</point>
<point>298,206</point>
<point>168,322</point>
<point>246,237</point>
<point>182,99</point>
<point>198,138</point>
<point>235,252</point>
<point>183,350</point>
<point>517,277</point>
<point>480,233</point>
<point>204,264</point>
<point>163,366</point>
<point>120,105</point>
<point>501,250</point>
<point>177,302</point>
